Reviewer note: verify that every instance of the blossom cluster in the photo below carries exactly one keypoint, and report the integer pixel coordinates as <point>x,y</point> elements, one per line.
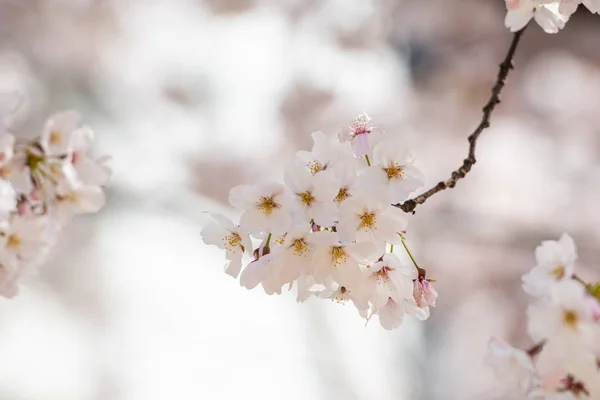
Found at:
<point>44,182</point>
<point>551,15</point>
<point>564,322</point>
<point>331,229</point>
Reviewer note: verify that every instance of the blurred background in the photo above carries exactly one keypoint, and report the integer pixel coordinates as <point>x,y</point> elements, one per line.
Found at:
<point>192,97</point>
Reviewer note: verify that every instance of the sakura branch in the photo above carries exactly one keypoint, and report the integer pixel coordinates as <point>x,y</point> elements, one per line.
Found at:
<point>410,205</point>
<point>44,183</point>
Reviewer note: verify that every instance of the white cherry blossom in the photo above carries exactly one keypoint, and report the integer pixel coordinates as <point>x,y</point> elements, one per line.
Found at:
<point>222,233</point>
<point>388,278</point>
<point>545,12</point>
<point>25,240</point>
<point>339,260</point>
<point>42,187</point>
<point>314,194</point>
<point>392,168</point>
<point>369,218</point>
<point>555,263</point>
<point>325,154</point>
<point>266,208</point>
<point>565,322</point>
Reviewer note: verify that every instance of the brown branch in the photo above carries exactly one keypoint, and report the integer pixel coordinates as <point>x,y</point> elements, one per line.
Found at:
<point>409,205</point>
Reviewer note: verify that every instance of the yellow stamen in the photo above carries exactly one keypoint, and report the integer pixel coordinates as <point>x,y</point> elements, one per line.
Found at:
<point>315,167</point>
<point>306,197</point>
<point>338,255</point>
<point>267,205</point>
<point>558,273</point>
<point>342,195</point>
<point>13,241</point>
<point>394,171</point>
<point>55,138</point>
<point>368,220</point>
<point>231,241</point>
<point>570,319</point>
<point>300,248</point>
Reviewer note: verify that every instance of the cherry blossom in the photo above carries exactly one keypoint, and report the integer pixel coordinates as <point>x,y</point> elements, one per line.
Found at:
<point>222,233</point>
<point>41,189</point>
<point>314,194</point>
<point>368,218</point>
<point>389,278</point>
<point>513,367</point>
<point>267,207</point>
<point>563,321</point>
<point>424,293</point>
<point>555,263</point>
<point>326,232</point>
<point>392,168</point>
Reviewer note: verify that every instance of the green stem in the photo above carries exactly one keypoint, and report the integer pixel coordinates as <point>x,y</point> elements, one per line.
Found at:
<point>368,161</point>
<point>409,253</point>
<point>268,240</point>
<point>391,248</point>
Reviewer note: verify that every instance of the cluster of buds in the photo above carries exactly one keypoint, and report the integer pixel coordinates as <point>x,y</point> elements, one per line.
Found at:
<point>331,229</point>
<point>44,182</point>
<point>564,322</point>
<point>551,15</point>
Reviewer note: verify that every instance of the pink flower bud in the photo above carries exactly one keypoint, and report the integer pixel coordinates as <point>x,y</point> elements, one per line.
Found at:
<point>424,293</point>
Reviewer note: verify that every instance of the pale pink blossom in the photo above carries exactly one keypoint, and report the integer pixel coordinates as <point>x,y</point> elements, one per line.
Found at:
<point>512,367</point>
<point>266,208</point>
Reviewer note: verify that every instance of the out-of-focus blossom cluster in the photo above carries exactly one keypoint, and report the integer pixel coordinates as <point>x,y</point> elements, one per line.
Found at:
<point>331,229</point>
<point>44,182</point>
<point>564,323</point>
<point>551,15</point>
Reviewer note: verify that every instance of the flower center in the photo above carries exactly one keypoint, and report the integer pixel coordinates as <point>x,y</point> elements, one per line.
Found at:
<point>394,171</point>
<point>306,197</point>
<point>558,273</point>
<point>361,125</point>
<point>300,248</point>
<point>232,241</point>
<point>342,195</point>
<point>55,138</point>
<point>315,167</point>
<point>382,276</point>
<point>368,220</point>
<point>341,298</point>
<point>338,255</point>
<point>13,241</point>
<point>267,205</point>
<point>570,319</point>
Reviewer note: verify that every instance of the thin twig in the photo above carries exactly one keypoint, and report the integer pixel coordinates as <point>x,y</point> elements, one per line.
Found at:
<point>409,205</point>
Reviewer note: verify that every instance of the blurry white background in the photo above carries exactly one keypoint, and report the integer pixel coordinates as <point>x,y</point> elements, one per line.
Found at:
<point>193,97</point>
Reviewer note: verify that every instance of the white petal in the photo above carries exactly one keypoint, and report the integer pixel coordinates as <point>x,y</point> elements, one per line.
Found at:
<point>243,197</point>
<point>233,264</point>
<point>517,19</point>
<point>391,315</point>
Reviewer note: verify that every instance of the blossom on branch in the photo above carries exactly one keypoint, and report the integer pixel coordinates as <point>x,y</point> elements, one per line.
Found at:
<point>330,230</point>
<point>551,15</point>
